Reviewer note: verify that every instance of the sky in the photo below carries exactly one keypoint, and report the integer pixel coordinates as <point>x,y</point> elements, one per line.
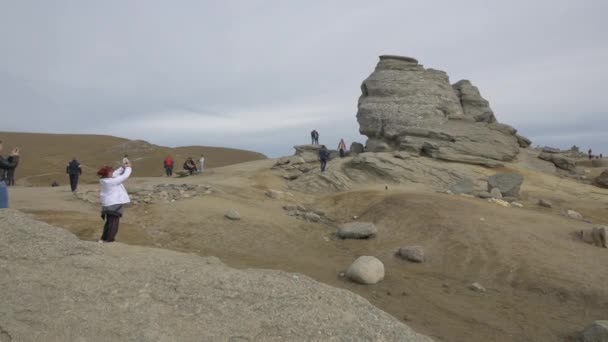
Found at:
<point>260,75</point>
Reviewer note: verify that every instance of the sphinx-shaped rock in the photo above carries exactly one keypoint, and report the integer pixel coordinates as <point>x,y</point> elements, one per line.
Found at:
<point>404,106</point>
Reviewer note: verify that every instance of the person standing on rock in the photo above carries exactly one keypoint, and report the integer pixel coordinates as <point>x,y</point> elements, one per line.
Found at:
<point>113,196</point>
<point>74,171</point>
<point>202,163</point>
<point>323,156</point>
<point>168,164</point>
<point>342,148</point>
<point>6,165</point>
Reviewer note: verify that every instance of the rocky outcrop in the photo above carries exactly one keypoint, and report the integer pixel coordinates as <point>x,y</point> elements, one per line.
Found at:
<point>559,160</point>
<point>55,287</point>
<point>596,332</point>
<point>150,194</point>
<point>404,106</point>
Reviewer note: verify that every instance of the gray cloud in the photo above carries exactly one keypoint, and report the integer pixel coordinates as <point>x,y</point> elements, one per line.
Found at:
<point>262,74</point>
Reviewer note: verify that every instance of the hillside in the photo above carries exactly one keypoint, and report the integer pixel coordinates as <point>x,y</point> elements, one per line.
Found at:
<point>44,156</point>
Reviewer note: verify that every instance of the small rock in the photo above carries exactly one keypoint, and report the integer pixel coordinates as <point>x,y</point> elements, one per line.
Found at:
<point>233,215</point>
<point>495,193</point>
<point>312,217</point>
<point>412,253</point>
<point>545,203</point>
<point>401,155</point>
<point>357,230</point>
<point>366,270</point>
<point>574,215</point>
<point>499,202</point>
<point>517,205</point>
<point>477,287</point>
<point>274,194</point>
<point>355,217</point>
<point>596,332</point>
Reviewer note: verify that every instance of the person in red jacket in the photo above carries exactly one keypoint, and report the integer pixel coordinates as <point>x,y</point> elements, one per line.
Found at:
<point>168,164</point>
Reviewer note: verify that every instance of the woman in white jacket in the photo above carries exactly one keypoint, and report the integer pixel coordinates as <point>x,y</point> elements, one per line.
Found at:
<point>113,196</point>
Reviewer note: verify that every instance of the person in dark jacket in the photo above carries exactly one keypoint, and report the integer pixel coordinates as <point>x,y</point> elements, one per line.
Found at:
<point>342,148</point>
<point>190,166</point>
<point>323,157</point>
<point>6,165</point>
<point>10,173</point>
<point>74,171</point>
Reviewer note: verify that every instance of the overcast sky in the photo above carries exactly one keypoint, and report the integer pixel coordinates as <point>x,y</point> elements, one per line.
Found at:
<point>260,75</point>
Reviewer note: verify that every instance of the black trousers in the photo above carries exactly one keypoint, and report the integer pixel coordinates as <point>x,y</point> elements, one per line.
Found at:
<point>342,153</point>
<point>323,164</point>
<point>110,228</point>
<point>73,182</point>
<point>169,171</point>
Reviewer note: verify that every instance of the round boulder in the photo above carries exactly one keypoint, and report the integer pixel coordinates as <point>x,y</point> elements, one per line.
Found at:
<point>366,270</point>
<point>357,230</point>
<point>602,179</point>
<point>233,215</point>
<point>596,332</point>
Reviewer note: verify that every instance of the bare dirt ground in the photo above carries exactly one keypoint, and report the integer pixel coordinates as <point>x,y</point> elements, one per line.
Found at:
<point>543,284</point>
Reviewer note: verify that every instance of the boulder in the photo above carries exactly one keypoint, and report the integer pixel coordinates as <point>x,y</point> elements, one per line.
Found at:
<point>366,270</point>
<point>403,106</point>
<point>233,215</point>
<point>602,179</point>
<point>508,183</point>
<point>545,203</point>
<point>296,160</point>
<point>412,253</point>
<point>473,105</point>
<point>375,145</point>
<point>463,186</point>
<point>274,194</point>
<point>356,148</point>
<point>563,162</point>
<point>596,236</point>
<point>495,193</point>
<point>596,332</point>
<point>401,155</point>
<point>357,230</point>
<point>523,141</point>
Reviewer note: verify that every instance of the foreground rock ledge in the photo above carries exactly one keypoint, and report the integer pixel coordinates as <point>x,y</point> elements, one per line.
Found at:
<point>54,287</point>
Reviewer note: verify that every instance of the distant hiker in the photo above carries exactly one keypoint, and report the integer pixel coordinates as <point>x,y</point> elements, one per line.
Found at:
<point>342,148</point>
<point>314,137</point>
<point>6,165</point>
<point>590,154</point>
<point>74,171</point>
<point>202,163</point>
<point>168,165</point>
<point>113,196</point>
<point>323,156</point>
<point>190,166</point>
<point>10,173</point>
<point>125,159</point>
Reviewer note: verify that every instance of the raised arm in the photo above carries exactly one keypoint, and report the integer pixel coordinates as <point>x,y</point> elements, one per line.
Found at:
<point>119,178</point>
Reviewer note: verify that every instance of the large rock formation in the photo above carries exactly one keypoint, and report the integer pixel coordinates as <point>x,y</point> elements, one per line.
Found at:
<point>404,106</point>
<point>54,287</point>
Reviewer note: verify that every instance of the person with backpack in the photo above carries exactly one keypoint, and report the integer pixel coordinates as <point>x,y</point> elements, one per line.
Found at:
<point>190,166</point>
<point>342,148</point>
<point>74,171</point>
<point>323,157</point>
<point>6,165</point>
<point>113,196</point>
<point>168,164</point>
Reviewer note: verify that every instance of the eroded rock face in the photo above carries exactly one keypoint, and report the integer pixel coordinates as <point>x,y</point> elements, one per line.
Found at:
<point>404,106</point>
